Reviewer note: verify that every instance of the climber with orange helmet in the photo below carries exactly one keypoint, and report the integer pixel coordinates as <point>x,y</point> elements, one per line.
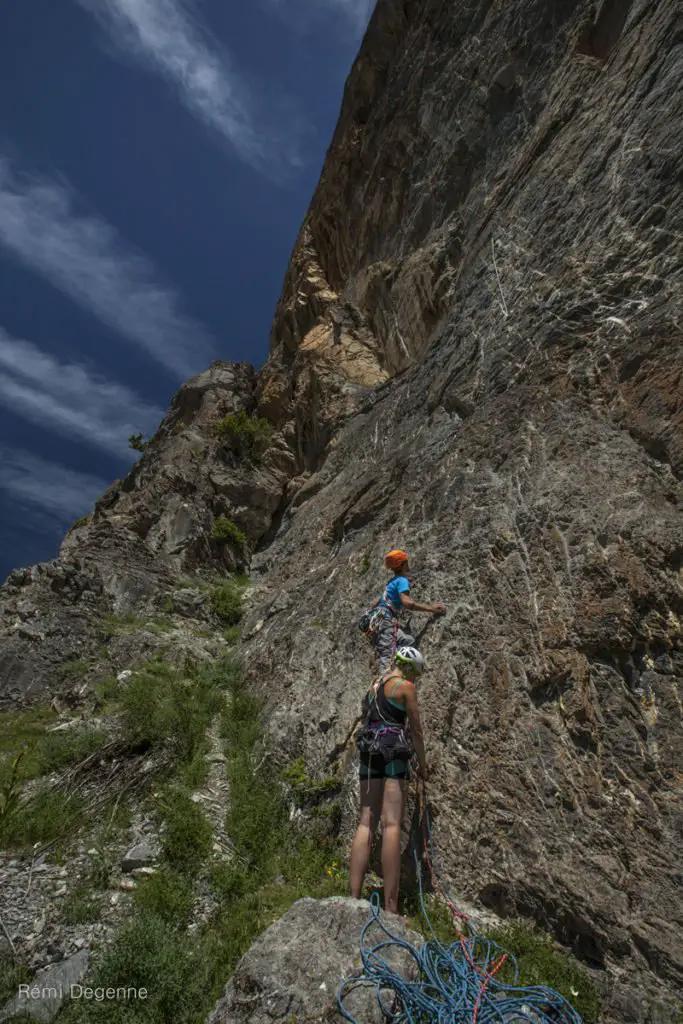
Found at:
<point>381,621</point>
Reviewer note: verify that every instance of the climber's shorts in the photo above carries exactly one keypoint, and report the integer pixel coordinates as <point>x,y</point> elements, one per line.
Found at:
<point>373,766</point>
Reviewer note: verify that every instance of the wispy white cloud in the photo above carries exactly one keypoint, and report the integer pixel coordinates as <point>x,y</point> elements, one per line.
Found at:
<point>164,35</point>
<point>70,399</point>
<point>355,12</point>
<point>83,257</point>
<point>60,493</point>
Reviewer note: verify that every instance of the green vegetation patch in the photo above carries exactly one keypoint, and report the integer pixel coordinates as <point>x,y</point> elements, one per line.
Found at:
<point>168,895</point>
<point>12,975</point>
<point>226,601</point>
<point>223,529</point>
<point>75,669</point>
<point>147,954</point>
<point>307,790</point>
<point>539,963</point>
<point>46,816</point>
<point>162,705</point>
<point>187,834</point>
<point>25,733</point>
<point>82,905</point>
<point>138,443</point>
<point>119,625</point>
<point>245,435</point>
<point>274,865</point>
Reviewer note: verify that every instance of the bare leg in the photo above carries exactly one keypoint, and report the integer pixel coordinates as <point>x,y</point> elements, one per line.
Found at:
<point>392,812</point>
<point>370,805</point>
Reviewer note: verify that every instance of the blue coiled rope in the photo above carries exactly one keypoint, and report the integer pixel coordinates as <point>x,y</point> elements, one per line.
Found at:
<point>454,983</point>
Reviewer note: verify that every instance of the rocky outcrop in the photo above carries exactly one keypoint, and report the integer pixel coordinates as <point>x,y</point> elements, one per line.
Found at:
<point>279,979</point>
<point>477,355</point>
<point>500,205</point>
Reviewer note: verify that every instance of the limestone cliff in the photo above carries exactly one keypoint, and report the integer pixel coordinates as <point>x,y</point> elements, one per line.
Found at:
<point>478,356</point>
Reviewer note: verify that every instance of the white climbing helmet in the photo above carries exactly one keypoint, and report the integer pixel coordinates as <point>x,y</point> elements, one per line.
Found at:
<point>410,656</point>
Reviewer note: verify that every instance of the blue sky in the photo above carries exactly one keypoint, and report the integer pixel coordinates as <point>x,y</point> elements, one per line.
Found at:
<point>156,161</point>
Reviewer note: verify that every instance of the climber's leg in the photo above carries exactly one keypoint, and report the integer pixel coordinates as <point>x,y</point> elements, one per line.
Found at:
<point>384,642</point>
<point>392,813</point>
<point>370,809</point>
<point>388,639</point>
<point>404,639</point>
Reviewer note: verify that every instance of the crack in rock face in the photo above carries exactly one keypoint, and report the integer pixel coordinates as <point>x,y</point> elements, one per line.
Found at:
<point>477,356</point>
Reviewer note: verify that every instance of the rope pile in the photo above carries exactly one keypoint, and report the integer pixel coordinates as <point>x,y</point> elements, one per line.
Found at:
<point>455,983</point>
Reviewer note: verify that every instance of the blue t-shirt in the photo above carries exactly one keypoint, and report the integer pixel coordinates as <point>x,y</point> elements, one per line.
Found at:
<point>393,590</point>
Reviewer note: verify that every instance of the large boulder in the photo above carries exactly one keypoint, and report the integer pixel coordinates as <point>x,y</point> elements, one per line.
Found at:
<point>294,970</point>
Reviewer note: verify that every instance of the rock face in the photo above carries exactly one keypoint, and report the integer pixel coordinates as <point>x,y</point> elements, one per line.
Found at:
<point>478,356</point>
<point>48,990</point>
<point>293,972</point>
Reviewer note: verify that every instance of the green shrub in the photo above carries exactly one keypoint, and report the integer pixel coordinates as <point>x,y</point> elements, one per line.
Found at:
<point>275,865</point>
<point>245,435</point>
<point>224,529</point>
<point>226,601</point>
<point>137,443</point>
<point>21,732</point>
<point>107,689</point>
<point>168,895</point>
<point>232,635</point>
<point>187,834</point>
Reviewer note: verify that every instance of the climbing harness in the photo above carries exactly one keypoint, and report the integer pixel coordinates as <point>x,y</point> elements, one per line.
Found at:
<point>389,740</point>
<point>371,621</point>
<point>386,738</point>
<point>456,982</point>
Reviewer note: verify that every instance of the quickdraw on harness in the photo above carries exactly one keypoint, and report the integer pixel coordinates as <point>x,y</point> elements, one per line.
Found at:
<point>456,983</point>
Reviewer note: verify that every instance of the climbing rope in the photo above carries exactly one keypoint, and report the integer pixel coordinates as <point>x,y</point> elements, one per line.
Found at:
<point>454,983</point>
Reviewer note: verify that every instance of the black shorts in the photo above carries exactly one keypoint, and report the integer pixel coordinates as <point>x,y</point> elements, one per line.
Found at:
<point>373,766</point>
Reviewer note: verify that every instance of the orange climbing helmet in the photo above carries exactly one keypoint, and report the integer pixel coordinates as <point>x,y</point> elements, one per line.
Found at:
<point>395,559</point>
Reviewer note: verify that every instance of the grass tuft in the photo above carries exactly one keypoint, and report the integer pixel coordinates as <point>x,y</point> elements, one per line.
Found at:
<point>44,817</point>
<point>187,834</point>
<point>167,895</point>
